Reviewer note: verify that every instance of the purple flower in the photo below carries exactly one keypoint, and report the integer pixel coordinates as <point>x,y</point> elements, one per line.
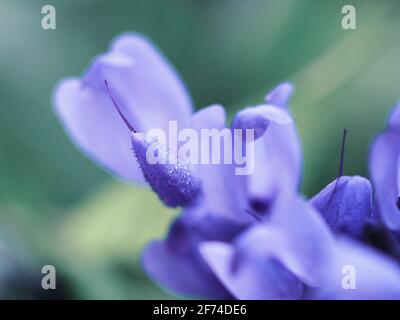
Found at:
<point>145,93</point>
<point>248,236</point>
<point>385,171</point>
<point>295,256</point>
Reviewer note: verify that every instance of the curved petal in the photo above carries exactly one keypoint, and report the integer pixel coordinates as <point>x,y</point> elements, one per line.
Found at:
<point>255,277</point>
<point>259,117</point>
<point>308,241</point>
<point>345,204</point>
<point>385,175</point>
<point>269,261</point>
<point>277,156</point>
<point>277,163</point>
<point>96,129</point>
<point>280,95</point>
<point>176,263</point>
<point>222,189</point>
<point>394,117</point>
<point>152,88</point>
<point>360,273</point>
<point>145,87</point>
<point>182,274</point>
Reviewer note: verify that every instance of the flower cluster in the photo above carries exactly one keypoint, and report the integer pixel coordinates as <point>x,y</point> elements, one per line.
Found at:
<point>242,237</point>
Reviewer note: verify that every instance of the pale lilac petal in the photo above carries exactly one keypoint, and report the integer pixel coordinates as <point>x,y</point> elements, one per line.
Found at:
<point>280,95</point>
<point>385,175</point>
<point>394,117</point>
<point>145,87</point>
<point>277,164</point>
<point>255,277</point>
<point>96,128</point>
<point>152,88</point>
<point>223,190</point>
<point>308,241</point>
<point>360,272</point>
<point>278,156</point>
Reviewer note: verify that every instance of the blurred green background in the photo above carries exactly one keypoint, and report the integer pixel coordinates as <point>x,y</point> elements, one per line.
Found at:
<point>57,207</point>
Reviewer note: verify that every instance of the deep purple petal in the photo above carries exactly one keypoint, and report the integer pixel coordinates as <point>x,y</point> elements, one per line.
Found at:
<point>176,263</point>
<point>345,204</point>
<point>183,274</point>
<point>145,87</point>
<point>173,181</point>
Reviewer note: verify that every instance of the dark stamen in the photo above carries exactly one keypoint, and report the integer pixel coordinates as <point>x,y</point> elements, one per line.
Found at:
<point>119,110</point>
<point>342,153</point>
<point>340,173</point>
<point>398,203</point>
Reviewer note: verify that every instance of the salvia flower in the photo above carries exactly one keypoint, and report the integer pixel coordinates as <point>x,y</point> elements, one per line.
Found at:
<point>238,236</point>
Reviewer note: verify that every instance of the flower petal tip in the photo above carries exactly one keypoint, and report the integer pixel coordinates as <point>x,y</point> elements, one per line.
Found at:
<point>280,95</point>
<point>174,182</point>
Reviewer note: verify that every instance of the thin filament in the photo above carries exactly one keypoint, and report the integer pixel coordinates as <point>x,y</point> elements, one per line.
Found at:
<point>342,153</point>
<point>118,109</point>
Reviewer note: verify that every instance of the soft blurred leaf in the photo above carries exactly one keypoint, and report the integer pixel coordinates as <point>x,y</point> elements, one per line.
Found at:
<point>103,237</point>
